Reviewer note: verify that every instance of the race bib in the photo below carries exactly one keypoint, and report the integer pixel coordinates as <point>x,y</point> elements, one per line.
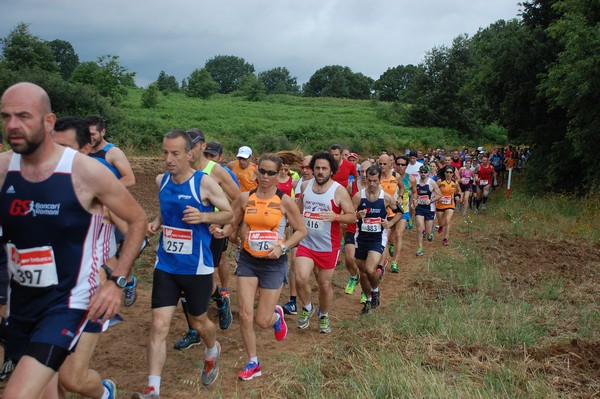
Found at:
<point>446,200</point>
<point>177,241</point>
<point>465,180</point>
<point>262,240</point>
<point>422,199</point>
<point>313,220</point>
<point>484,182</point>
<point>371,225</point>
<point>33,267</point>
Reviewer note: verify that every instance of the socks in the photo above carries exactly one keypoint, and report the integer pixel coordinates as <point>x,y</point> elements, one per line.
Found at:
<point>154,381</point>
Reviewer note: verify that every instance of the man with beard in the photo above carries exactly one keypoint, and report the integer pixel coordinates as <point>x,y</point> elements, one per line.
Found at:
<point>324,205</point>
<point>51,213</point>
<point>116,161</point>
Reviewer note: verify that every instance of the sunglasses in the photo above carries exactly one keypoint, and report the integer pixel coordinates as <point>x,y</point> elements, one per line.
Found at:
<point>449,172</point>
<point>305,168</point>
<point>401,164</point>
<point>382,163</point>
<point>262,171</point>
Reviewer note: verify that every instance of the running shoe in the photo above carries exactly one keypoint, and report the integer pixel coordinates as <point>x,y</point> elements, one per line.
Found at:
<point>380,271</point>
<point>375,302</point>
<point>190,338</point>
<point>210,371</point>
<point>363,298</point>
<point>149,393</point>
<point>130,292</point>
<point>476,211</point>
<point>445,242</point>
<point>391,250</point>
<point>440,229</point>
<point>367,308</point>
<point>430,237</point>
<point>7,368</point>
<point>324,325</point>
<point>225,317</point>
<point>304,319</point>
<point>409,224</point>
<point>280,327</point>
<point>250,371</point>
<point>351,286</point>
<point>290,308</point>
<point>483,206</point>
<point>419,252</point>
<point>112,389</point>
<point>394,268</point>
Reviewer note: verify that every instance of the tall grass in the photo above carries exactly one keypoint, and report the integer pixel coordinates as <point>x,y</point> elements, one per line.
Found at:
<point>279,122</point>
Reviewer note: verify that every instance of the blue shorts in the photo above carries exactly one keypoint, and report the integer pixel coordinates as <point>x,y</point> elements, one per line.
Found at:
<point>58,326</point>
<point>405,216</point>
<point>363,248</point>
<point>271,273</point>
<point>425,212</point>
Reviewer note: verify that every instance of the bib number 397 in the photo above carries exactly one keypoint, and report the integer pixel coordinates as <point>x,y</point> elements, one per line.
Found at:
<point>32,267</point>
<point>177,241</point>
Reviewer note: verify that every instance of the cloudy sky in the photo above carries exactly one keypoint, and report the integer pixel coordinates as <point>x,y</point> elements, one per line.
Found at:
<point>177,36</point>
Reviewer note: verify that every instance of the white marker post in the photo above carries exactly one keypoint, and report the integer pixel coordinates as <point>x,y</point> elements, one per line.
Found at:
<point>508,184</point>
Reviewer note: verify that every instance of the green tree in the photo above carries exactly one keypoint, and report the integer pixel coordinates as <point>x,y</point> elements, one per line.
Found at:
<point>22,50</point>
<point>253,88</point>
<point>279,81</point>
<point>393,83</point>
<point>573,82</point>
<point>167,83</point>
<point>65,57</point>
<point>150,96</point>
<point>338,81</point>
<point>228,71</point>
<point>108,77</point>
<point>201,84</point>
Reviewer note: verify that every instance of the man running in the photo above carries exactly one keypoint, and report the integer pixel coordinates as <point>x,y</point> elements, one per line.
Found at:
<point>184,263</point>
<point>324,204</point>
<point>371,205</point>
<point>485,175</point>
<point>424,205</point>
<point>244,169</point>
<point>115,160</point>
<point>52,194</point>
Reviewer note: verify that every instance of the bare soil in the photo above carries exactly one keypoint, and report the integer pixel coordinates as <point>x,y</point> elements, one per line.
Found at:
<point>573,367</point>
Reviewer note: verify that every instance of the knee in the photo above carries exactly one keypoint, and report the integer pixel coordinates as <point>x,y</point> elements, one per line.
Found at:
<point>246,317</point>
<point>264,321</point>
<point>71,381</point>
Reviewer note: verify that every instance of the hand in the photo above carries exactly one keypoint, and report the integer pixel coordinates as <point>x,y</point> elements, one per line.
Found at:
<point>386,224</point>
<point>362,213</point>
<point>221,232</point>
<point>275,253</point>
<point>153,228</point>
<point>329,216</point>
<point>106,302</point>
<point>192,215</point>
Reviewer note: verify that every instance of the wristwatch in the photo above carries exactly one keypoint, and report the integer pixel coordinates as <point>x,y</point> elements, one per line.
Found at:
<point>120,281</point>
<point>284,249</point>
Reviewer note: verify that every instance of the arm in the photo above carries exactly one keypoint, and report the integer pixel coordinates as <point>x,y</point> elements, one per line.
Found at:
<point>117,158</point>
<point>212,193</point>
<point>101,185</point>
<point>437,194</point>
<point>348,214</point>
<point>154,226</point>
<point>226,182</point>
<point>389,201</point>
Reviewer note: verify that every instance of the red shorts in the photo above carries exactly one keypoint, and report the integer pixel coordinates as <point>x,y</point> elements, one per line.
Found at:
<point>323,260</point>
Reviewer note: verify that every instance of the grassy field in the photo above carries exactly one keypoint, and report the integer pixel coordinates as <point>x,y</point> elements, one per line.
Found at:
<point>473,324</point>
<point>279,122</point>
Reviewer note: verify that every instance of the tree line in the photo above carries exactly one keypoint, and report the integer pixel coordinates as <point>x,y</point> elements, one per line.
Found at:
<point>532,80</point>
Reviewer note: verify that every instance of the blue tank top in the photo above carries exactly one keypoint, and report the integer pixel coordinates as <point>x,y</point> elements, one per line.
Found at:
<point>101,156</point>
<point>424,192</point>
<point>369,228</point>
<point>183,248</point>
<point>51,241</point>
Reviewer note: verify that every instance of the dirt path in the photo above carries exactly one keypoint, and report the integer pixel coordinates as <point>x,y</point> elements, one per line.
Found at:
<point>121,354</point>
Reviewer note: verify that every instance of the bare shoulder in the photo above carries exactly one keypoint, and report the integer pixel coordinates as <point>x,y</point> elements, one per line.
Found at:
<point>4,162</point>
<point>116,154</point>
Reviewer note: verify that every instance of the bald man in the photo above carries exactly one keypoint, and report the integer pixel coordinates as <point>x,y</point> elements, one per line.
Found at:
<point>51,213</point>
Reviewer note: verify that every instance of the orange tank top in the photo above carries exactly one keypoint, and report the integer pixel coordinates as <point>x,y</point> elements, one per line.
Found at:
<point>390,186</point>
<point>245,176</point>
<point>266,224</point>
<point>447,199</point>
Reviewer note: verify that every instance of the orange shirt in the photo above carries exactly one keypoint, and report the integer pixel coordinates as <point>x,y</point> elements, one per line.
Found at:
<point>266,224</point>
<point>447,199</point>
<point>245,176</point>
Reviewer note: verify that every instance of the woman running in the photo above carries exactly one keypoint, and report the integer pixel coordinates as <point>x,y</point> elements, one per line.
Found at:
<point>263,261</point>
<point>445,205</point>
<point>466,184</point>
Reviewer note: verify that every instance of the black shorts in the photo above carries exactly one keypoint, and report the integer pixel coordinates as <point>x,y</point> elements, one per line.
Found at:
<point>271,273</point>
<point>466,187</point>
<point>167,288</point>
<point>217,247</point>
<point>350,239</point>
<point>363,248</point>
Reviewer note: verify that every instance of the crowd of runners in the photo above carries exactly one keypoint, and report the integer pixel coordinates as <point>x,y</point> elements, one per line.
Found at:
<point>72,230</point>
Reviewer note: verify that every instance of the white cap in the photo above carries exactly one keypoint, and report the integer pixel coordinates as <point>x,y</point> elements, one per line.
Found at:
<point>479,149</point>
<point>244,152</point>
